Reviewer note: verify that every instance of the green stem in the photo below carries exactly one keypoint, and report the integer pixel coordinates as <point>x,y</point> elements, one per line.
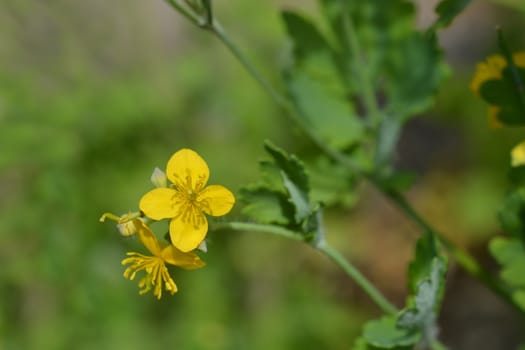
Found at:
<point>467,262</point>
<point>219,32</point>
<point>324,248</point>
<point>192,17</point>
<point>262,228</point>
<point>356,275</point>
<point>362,71</point>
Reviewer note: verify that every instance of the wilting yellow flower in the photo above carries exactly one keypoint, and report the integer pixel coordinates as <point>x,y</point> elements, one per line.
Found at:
<point>187,200</point>
<point>492,69</point>
<point>518,154</point>
<point>155,266</point>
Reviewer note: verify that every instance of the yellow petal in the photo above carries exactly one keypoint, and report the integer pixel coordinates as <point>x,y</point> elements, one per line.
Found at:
<point>216,200</point>
<point>188,261</point>
<point>518,154</point>
<point>147,238</point>
<point>491,69</point>
<point>186,234</point>
<point>519,59</point>
<point>493,112</point>
<point>158,204</point>
<point>187,170</point>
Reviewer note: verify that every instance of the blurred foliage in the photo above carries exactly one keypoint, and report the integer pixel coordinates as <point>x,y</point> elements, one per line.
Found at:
<point>93,96</point>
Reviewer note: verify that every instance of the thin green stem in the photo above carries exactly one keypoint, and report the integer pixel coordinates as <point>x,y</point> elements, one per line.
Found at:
<point>358,277</point>
<point>192,17</point>
<point>221,34</point>
<point>362,71</point>
<point>261,228</point>
<point>467,262</point>
<point>324,248</point>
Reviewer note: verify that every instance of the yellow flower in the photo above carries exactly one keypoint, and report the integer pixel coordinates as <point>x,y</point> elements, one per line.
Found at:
<point>155,266</point>
<point>187,200</point>
<point>518,154</point>
<point>492,69</point>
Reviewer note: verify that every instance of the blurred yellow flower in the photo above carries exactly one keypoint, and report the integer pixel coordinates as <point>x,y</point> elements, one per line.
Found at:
<point>155,266</point>
<point>492,69</point>
<point>518,154</point>
<point>187,200</point>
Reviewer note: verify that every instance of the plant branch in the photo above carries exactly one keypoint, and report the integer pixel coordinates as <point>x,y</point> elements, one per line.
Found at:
<point>192,17</point>
<point>358,278</point>
<point>334,255</point>
<point>467,262</point>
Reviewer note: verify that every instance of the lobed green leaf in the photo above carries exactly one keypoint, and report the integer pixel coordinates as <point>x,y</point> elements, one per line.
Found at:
<point>315,86</point>
<point>386,334</point>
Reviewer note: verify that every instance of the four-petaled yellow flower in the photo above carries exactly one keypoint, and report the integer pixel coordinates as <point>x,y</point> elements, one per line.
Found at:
<point>155,266</point>
<point>492,69</point>
<point>187,199</point>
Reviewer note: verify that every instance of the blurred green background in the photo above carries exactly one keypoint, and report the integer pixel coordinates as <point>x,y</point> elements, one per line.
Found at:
<point>95,94</point>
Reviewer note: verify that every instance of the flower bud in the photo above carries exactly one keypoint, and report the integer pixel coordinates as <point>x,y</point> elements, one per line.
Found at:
<point>158,178</point>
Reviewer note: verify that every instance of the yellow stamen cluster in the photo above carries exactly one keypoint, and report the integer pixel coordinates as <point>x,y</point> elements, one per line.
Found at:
<point>156,273</point>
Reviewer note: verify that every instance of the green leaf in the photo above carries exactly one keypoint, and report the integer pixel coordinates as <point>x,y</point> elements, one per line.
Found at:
<point>510,253</point>
<point>415,69</point>
<point>291,166</point>
<point>331,184</point>
<point>282,196</point>
<point>315,86</point>
<point>420,268</point>
<point>386,334</point>
<point>266,206</point>
<point>306,38</point>
<point>329,114</point>
<point>361,344</point>
<point>427,284</point>
<point>422,315</point>
<point>519,297</point>
<point>447,10</point>
<point>403,65</point>
<point>512,213</point>
<point>416,323</point>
